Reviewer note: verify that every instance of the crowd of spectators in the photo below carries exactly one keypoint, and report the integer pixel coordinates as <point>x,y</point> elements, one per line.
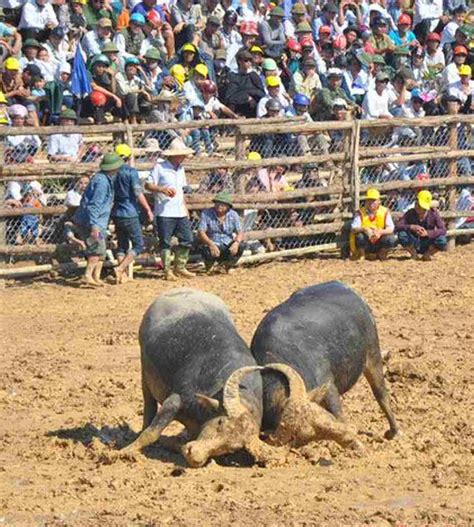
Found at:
<point>233,58</point>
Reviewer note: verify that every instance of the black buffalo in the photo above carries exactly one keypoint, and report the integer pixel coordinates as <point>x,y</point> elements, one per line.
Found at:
<point>323,338</point>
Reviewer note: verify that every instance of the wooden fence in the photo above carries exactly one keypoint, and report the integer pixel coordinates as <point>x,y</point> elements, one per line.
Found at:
<point>345,169</point>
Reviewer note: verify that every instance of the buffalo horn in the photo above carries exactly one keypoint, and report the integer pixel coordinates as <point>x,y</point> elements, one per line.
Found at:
<point>295,382</point>
<point>231,392</point>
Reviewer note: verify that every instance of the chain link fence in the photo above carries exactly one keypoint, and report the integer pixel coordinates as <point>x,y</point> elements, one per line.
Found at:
<point>298,196</point>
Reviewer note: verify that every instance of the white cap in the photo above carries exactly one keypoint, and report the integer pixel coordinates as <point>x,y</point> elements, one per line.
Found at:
<point>339,102</point>
<point>65,67</point>
<point>334,71</point>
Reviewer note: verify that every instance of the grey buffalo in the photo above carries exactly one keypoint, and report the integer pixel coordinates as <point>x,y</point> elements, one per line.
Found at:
<point>201,371</point>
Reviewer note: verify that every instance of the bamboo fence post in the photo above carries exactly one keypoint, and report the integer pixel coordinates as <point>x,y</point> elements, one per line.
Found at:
<point>452,170</point>
<point>3,184</point>
<point>355,167</point>
<point>239,155</point>
<point>130,142</point>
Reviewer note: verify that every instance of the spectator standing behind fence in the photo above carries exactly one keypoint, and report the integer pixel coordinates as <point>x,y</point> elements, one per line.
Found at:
<point>66,147</point>
<point>167,182</point>
<point>92,217</point>
<point>220,233</point>
<point>422,230</point>
<point>372,229</point>
<point>128,196</point>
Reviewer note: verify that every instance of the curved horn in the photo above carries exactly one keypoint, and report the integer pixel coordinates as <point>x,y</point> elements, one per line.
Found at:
<point>295,381</point>
<point>231,391</point>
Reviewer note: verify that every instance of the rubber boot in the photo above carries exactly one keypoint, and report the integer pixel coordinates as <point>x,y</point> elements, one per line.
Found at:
<point>181,259</point>
<point>96,273</point>
<point>166,260</point>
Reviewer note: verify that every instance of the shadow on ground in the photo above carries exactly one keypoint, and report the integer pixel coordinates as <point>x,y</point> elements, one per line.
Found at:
<point>118,437</point>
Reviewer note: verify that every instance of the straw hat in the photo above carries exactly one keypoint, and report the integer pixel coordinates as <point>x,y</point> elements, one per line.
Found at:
<point>177,148</point>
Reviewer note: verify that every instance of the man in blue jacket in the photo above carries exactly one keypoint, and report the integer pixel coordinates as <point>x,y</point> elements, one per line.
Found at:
<point>92,216</point>
<point>128,197</point>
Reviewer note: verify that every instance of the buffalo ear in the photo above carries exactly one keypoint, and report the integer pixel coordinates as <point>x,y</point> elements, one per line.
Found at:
<point>318,394</point>
<point>208,402</point>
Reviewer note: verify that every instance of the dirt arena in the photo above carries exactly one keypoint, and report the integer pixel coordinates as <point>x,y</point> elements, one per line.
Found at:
<point>70,395</point>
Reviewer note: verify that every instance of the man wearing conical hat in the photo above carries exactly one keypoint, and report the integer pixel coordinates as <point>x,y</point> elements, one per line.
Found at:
<point>167,181</point>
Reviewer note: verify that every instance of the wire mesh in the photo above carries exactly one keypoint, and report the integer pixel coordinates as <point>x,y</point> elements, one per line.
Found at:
<point>52,185</point>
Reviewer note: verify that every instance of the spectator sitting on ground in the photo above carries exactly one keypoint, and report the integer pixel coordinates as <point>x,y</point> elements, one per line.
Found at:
<point>372,229</point>
<point>66,147</point>
<point>422,230</point>
<point>220,233</point>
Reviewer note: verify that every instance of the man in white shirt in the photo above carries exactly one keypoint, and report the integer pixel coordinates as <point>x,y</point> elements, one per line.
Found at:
<point>375,103</point>
<point>428,11</point>
<point>65,147</point>
<point>36,16</point>
<point>463,89</point>
<point>95,39</point>
<point>167,182</point>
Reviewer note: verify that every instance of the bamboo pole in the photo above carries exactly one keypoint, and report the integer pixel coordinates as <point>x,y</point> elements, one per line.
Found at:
<point>452,169</point>
<point>239,177</point>
<point>433,121</point>
<point>377,151</point>
<point>294,128</point>
<point>438,182</point>
<point>301,251</point>
<point>62,169</point>
<point>355,168</point>
<point>286,232</point>
<point>122,127</point>
<point>264,197</point>
<point>130,142</point>
<point>453,154</point>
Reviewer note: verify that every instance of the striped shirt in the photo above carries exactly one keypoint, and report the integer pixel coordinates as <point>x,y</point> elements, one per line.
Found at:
<point>221,233</point>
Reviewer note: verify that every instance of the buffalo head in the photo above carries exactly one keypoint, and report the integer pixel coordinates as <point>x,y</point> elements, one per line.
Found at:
<point>234,426</point>
<point>302,417</point>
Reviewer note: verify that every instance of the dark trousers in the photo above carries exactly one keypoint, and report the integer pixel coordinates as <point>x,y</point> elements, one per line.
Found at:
<point>129,230</point>
<point>225,256</point>
<point>169,227</point>
<point>408,239</point>
<point>388,241</point>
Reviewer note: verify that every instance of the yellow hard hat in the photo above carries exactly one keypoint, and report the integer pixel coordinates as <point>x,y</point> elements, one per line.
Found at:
<point>123,150</point>
<point>202,70</point>
<point>254,156</point>
<point>12,64</point>
<point>465,70</point>
<point>372,193</point>
<point>178,72</point>
<point>189,47</point>
<point>256,49</point>
<point>273,81</point>
<point>425,199</point>
<point>3,99</point>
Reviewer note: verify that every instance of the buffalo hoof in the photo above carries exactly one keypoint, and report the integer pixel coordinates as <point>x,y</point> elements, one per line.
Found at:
<point>392,434</point>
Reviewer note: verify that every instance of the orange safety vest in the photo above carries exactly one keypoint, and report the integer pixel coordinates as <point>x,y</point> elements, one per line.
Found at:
<point>369,222</point>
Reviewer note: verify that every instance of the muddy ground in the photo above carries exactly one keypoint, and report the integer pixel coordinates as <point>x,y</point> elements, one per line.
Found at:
<point>70,394</point>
